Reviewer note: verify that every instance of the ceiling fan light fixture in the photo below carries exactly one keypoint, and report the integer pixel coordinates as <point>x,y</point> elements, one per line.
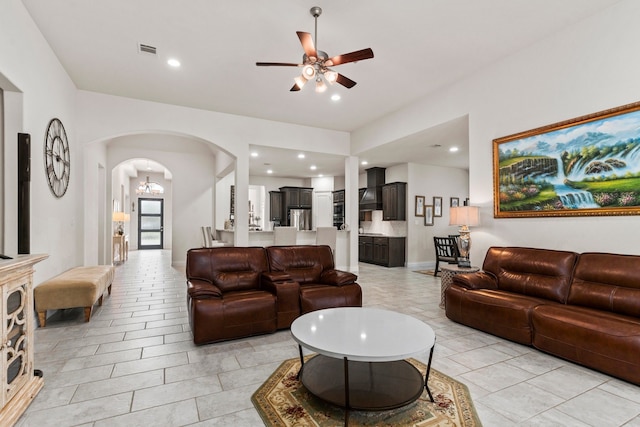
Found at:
<point>315,63</point>
<point>308,71</point>
<point>331,76</point>
<point>320,85</point>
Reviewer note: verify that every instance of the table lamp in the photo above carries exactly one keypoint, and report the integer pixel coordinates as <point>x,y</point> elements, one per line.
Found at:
<point>464,216</point>
<point>119,217</point>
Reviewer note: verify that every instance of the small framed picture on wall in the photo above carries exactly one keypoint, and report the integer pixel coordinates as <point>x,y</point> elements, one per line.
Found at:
<point>437,206</point>
<point>419,205</point>
<point>455,202</point>
<point>428,215</point>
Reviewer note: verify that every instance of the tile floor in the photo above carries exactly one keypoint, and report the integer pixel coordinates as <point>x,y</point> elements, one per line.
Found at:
<point>135,364</point>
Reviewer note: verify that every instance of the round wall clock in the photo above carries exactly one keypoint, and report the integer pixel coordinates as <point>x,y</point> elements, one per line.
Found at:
<point>56,158</point>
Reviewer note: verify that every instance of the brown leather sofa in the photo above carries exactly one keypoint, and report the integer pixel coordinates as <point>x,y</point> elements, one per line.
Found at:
<point>235,292</point>
<point>582,307</point>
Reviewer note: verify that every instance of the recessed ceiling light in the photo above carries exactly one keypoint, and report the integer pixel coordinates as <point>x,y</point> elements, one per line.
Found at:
<point>453,149</point>
<point>364,162</point>
<point>254,154</point>
<point>335,97</point>
<point>313,167</point>
<point>269,171</point>
<point>301,156</point>
<point>320,176</point>
<point>173,62</point>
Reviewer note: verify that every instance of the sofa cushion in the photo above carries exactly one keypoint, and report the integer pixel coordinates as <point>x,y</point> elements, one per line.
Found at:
<point>238,314</point>
<point>541,273</point>
<point>303,263</point>
<point>228,268</point>
<point>497,312</point>
<point>598,339</point>
<point>607,282</point>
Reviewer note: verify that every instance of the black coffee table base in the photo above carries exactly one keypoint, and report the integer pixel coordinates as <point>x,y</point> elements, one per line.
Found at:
<point>373,386</point>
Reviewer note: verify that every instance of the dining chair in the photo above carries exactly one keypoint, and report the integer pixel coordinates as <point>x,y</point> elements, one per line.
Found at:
<point>446,250</point>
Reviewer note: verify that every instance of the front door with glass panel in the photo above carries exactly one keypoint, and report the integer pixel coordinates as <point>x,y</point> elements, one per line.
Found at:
<point>150,221</point>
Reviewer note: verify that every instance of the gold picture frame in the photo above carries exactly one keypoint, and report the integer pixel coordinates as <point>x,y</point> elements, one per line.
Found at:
<point>587,166</point>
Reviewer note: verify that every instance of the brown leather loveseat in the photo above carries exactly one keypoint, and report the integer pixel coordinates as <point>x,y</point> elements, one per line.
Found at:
<point>582,307</point>
<point>235,292</point>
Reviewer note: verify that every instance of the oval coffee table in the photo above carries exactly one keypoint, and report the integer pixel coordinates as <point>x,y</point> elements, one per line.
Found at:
<point>365,349</point>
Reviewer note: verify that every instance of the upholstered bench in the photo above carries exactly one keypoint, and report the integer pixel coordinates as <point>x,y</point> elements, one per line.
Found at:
<point>77,287</point>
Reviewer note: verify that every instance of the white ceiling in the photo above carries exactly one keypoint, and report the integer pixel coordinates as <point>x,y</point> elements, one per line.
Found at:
<point>419,46</point>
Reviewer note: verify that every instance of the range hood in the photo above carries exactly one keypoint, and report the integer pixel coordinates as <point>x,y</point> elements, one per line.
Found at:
<point>371,199</point>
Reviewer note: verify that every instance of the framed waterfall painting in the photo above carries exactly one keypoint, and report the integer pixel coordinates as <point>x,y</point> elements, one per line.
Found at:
<point>585,166</point>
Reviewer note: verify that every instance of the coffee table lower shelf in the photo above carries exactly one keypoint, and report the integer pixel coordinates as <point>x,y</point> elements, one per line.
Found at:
<point>373,386</point>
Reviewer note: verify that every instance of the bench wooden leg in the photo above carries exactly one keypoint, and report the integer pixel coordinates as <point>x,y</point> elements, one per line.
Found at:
<point>87,313</point>
<point>109,289</point>
<point>100,300</point>
<point>42,318</point>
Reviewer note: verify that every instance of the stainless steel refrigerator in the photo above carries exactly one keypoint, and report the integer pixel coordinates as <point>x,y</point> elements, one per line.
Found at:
<point>300,218</point>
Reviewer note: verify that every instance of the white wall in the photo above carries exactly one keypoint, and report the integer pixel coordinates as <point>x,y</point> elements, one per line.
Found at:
<point>105,116</point>
<point>431,181</point>
<point>586,68</point>
<point>36,90</point>
<point>192,166</point>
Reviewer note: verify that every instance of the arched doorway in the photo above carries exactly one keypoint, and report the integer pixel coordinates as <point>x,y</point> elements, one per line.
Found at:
<point>142,193</point>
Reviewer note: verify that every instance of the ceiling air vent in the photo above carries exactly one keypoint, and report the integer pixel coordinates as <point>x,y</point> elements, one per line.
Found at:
<point>145,48</point>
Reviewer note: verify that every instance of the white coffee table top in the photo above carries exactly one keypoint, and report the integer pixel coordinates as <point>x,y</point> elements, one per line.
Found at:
<point>362,334</point>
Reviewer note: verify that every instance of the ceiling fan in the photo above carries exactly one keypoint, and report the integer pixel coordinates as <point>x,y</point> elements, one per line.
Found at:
<point>315,63</point>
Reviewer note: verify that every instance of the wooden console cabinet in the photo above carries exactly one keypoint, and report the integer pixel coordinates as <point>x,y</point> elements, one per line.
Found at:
<point>19,383</point>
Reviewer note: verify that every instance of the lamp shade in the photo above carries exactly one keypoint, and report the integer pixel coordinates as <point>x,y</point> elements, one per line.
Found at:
<point>118,216</point>
<point>464,215</point>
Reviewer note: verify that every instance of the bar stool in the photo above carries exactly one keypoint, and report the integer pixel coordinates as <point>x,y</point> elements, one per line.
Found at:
<point>284,236</point>
<point>327,236</point>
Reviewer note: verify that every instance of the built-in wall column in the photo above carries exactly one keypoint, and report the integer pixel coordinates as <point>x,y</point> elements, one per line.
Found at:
<point>241,235</point>
<point>351,208</point>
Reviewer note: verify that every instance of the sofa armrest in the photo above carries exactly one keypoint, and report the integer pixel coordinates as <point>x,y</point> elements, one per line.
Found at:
<point>201,289</point>
<point>479,280</point>
<point>275,276</point>
<point>337,277</point>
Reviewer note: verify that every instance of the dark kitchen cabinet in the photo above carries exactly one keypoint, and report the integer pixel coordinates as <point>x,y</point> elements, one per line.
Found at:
<point>275,206</point>
<point>385,251</point>
<point>365,249</point>
<point>306,197</point>
<point>361,192</point>
<point>394,201</point>
<point>297,197</point>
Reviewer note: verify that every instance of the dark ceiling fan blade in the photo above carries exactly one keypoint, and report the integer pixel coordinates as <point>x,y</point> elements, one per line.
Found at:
<point>307,44</point>
<point>277,64</point>
<point>345,81</point>
<point>358,55</point>
<point>294,88</point>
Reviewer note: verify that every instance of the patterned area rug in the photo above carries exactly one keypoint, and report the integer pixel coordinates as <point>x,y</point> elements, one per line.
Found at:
<point>283,401</point>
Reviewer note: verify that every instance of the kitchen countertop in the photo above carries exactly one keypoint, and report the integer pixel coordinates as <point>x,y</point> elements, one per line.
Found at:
<point>376,235</point>
<point>271,231</point>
